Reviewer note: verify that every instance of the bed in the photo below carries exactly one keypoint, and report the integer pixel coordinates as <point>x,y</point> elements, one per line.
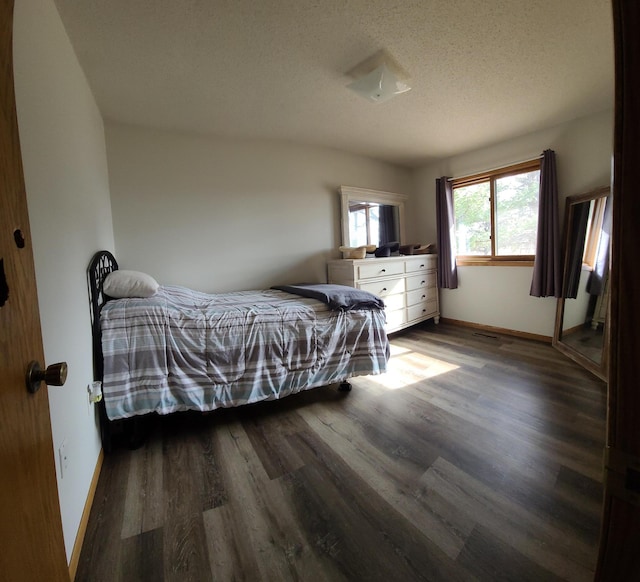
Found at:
<point>181,349</point>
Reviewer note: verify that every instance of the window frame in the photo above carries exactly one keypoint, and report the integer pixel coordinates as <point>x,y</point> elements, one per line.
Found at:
<point>491,176</point>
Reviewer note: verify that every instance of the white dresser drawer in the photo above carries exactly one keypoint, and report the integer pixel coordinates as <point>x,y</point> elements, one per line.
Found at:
<point>422,263</point>
<point>421,281</point>
<point>395,319</point>
<point>380,269</point>
<point>385,287</point>
<point>418,296</point>
<point>393,302</point>
<point>422,310</point>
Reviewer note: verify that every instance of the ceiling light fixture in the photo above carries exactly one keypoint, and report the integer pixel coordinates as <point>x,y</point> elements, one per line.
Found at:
<point>379,85</point>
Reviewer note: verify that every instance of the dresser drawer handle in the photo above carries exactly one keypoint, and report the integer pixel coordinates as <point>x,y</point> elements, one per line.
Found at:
<point>422,282</point>
<point>421,266</point>
<point>424,296</point>
<point>384,288</point>
<point>383,270</point>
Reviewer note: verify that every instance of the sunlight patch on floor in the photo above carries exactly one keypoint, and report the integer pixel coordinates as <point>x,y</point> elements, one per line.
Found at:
<point>398,351</point>
<point>406,367</point>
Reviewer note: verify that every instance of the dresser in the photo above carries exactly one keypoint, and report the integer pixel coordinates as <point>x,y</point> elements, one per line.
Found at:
<point>407,285</point>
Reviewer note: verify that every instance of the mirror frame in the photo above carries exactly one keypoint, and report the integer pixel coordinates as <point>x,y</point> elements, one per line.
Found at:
<point>601,369</point>
<point>350,193</point>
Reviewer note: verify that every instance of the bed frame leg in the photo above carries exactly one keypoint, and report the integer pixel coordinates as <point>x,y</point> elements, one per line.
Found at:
<point>345,386</point>
<point>137,432</point>
<point>130,432</point>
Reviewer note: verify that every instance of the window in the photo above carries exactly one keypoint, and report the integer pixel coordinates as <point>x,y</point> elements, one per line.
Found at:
<point>594,231</point>
<point>496,215</point>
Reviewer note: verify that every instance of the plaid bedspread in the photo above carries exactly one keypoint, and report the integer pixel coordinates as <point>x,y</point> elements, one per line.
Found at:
<point>186,350</point>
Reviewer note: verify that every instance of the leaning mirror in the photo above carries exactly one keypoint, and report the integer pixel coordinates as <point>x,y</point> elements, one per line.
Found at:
<point>371,217</point>
<point>581,330</point>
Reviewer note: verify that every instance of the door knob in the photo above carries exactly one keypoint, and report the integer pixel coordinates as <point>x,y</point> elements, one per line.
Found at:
<point>54,375</point>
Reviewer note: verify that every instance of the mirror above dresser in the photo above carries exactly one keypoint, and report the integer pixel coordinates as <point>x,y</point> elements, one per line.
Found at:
<point>371,217</point>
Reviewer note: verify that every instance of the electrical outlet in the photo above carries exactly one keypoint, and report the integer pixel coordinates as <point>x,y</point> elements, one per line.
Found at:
<point>64,459</point>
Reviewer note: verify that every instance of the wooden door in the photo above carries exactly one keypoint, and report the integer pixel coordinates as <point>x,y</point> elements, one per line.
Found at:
<point>31,542</point>
<point>620,541</point>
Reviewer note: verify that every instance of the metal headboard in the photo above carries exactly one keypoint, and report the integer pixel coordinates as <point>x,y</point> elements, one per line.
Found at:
<point>102,263</point>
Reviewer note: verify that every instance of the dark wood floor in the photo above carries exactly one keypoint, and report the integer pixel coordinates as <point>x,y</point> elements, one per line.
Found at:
<point>473,458</point>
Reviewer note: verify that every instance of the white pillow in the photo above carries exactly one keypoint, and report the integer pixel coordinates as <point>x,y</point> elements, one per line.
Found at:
<point>120,284</point>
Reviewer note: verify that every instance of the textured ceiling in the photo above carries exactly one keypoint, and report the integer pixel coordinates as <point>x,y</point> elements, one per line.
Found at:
<point>482,71</point>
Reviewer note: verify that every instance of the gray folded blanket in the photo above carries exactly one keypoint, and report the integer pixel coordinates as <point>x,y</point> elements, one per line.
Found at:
<point>338,297</point>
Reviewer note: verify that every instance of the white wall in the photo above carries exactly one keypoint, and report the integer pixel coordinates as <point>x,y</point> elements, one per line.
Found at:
<point>221,214</point>
<point>65,166</point>
<point>499,296</point>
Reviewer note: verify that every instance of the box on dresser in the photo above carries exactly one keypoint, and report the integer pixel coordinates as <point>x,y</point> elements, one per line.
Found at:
<point>407,284</point>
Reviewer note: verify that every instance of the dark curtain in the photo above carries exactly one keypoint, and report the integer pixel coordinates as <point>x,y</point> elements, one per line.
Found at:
<point>447,270</point>
<point>577,236</point>
<point>595,285</point>
<point>547,275</point>
<point>387,224</point>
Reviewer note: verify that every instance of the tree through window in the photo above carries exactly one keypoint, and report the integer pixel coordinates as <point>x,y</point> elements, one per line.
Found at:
<point>496,214</point>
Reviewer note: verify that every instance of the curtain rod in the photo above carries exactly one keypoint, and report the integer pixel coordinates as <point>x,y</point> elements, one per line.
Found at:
<point>494,169</point>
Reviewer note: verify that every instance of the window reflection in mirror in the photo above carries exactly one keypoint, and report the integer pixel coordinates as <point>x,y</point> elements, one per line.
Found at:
<point>373,224</point>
